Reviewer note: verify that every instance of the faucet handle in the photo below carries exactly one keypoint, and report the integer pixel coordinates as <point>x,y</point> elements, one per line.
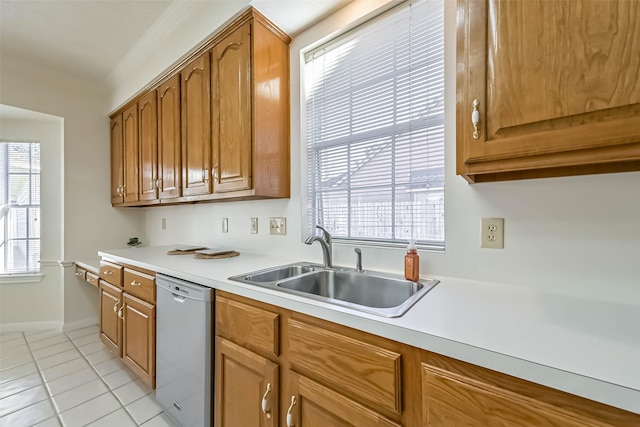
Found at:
<point>359,261</point>
<point>326,234</point>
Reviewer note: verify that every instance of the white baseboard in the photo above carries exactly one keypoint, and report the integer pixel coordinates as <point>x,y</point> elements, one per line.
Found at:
<point>79,324</point>
<point>31,326</point>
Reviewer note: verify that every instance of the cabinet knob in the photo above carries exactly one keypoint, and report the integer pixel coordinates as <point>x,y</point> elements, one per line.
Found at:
<point>475,119</point>
<point>290,422</point>
<point>265,403</point>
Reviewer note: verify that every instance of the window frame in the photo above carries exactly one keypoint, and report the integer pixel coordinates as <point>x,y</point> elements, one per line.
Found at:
<point>307,204</point>
<point>33,272</point>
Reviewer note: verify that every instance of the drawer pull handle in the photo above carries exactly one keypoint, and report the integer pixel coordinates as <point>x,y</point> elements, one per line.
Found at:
<point>79,273</point>
<point>265,403</point>
<point>134,283</point>
<point>108,272</point>
<point>290,422</point>
<point>475,119</point>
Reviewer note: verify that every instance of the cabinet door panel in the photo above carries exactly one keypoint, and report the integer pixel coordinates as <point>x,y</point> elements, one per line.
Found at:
<point>110,323</point>
<point>242,380</point>
<point>138,344</point>
<point>450,400</point>
<point>548,99</point>
<point>117,160</point>
<point>130,137</point>
<point>196,130</point>
<point>318,406</point>
<point>231,79</point>
<point>147,113</point>
<point>169,157</point>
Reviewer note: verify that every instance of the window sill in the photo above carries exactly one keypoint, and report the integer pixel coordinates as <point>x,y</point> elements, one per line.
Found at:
<point>20,278</point>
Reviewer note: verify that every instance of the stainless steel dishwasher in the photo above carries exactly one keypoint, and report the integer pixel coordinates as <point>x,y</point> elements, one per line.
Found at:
<point>184,351</point>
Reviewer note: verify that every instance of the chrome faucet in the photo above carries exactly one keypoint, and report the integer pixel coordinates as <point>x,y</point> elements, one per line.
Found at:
<point>325,243</point>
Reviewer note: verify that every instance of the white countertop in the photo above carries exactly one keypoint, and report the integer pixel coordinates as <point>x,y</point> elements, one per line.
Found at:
<point>584,347</point>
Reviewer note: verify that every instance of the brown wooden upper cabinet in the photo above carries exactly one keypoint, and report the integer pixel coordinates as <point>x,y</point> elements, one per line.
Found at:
<point>547,88</point>
<point>169,155</point>
<point>148,125</point>
<point>196,126</point>
<point>216,126</point>
<point>117,160</point>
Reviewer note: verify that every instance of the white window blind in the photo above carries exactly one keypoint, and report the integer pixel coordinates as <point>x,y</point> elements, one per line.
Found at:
<point>20,207</point>
<point>375,130</point>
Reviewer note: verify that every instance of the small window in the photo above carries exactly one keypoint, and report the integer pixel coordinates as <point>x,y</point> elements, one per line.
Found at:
<point>20,211</point>
<point>375,130</point>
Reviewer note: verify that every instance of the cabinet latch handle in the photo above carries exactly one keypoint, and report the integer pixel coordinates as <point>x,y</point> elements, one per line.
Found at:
<point>475,119</point>
<point>265,402</point>
<point>290,422</point>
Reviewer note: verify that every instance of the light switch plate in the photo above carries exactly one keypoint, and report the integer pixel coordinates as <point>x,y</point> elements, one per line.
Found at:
<point>225,225</point>
<point>254,225</point>
<point>278,226</point>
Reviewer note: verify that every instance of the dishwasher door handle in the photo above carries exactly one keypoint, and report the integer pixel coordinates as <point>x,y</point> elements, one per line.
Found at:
<point>178,298</point>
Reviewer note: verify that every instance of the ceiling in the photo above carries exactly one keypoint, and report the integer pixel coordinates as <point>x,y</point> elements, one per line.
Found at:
<point>88,38</point>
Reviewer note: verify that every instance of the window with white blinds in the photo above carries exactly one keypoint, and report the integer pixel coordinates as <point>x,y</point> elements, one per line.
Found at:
<point>375,129</point>
<point>20,210</point>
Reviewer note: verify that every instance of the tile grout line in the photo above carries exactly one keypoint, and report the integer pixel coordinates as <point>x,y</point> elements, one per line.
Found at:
<point>84,356</point>
<point>42,382</point>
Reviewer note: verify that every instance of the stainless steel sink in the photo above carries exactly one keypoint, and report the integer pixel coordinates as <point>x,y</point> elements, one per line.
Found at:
<point>278,273</point>
<point>371,292</point>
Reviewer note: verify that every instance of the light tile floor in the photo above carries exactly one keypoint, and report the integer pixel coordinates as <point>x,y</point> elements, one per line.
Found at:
<point>49,378</point>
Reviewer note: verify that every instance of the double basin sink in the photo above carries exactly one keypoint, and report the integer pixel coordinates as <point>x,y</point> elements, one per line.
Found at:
<point>369,291</point>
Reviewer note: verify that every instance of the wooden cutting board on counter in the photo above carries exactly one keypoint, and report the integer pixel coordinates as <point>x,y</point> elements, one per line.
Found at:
<point>213,254</point>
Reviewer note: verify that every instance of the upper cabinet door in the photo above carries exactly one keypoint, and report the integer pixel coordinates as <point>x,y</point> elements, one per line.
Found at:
<point>117,160</point>
<point>147,113</point>
<point>130,138</point>
<point>196,127</point>
<point>231,112</point>
<point>551,85</point>
<point>169,172</point>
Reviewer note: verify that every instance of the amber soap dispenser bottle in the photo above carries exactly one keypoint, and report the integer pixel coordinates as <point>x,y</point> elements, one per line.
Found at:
<point>412,263</point>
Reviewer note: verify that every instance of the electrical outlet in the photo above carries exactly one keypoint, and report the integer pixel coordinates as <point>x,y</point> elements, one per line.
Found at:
<point>492,233</point>
<point>278,226</point>
<point>164,223</point>
<point>225,225</point>
<point>254,225</point>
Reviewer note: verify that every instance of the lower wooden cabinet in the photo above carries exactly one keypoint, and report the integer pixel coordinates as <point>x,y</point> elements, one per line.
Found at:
<point>110,323</point>
<point>247,387</point>
<point>127,321</point>
<point>312,404</point>
<point>331,375</point>
<point>139,337</point>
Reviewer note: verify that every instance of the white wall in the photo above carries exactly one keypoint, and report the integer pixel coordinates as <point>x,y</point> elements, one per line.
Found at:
<point>578,235</point>
<point>88,222</point>
<point>17,302</point>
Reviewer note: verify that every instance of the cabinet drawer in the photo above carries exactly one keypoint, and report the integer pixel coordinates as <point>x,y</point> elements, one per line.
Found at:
<point>93,279</point>
<point>358,369</point>
<point>111,273</point>
<point>81,272</point>
<point>251,327</point>
<point>140,285</point>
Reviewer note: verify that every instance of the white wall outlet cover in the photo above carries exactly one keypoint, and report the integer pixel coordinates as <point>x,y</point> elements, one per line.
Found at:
<point>225,225</point>
<point>254,225</point>
<point>492,233</point>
